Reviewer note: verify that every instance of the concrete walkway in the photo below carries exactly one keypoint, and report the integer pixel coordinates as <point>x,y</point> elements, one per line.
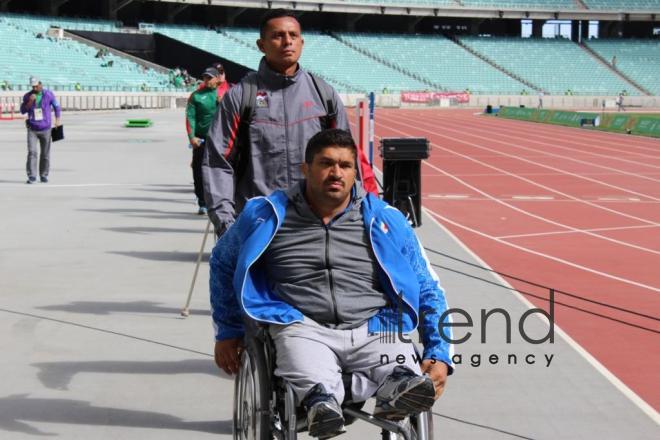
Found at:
<point>96,264</point>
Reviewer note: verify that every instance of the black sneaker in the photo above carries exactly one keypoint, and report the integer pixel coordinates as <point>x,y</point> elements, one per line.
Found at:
<point>404,393</point>
<point>324,415</point>
<point>44,179</point>
<point>31,180</point>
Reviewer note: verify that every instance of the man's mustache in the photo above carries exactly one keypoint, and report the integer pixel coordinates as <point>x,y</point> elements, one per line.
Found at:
<point>334,179</point>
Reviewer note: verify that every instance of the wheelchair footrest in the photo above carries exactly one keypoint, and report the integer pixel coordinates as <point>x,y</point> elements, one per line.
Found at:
<point>389,426</point>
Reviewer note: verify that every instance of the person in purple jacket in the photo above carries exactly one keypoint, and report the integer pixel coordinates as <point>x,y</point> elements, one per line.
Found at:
<point>37,103</point>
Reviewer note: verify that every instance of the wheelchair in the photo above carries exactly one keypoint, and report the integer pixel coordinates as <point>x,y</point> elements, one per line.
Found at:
<point>265,406</point>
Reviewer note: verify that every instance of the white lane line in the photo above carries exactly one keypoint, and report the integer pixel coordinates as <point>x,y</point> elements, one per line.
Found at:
<point>600,137</point>
<point>510,144</point>
<point>609,376</point>
<point>531,182</point>
<point>543,255</point>
<point>532,198</point>
<point>447,196</point>
<point>525,136</point>
<point>538,217</point>
<point>618,199</point>
<point>541,234</point>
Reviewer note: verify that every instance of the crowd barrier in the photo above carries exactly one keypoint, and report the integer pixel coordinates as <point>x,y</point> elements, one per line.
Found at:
<point>76,101</point>
<point>72,100</point>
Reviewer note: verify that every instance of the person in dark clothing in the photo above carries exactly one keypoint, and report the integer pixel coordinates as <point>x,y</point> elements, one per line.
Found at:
<point>200,111</point>
<point>288,112</point>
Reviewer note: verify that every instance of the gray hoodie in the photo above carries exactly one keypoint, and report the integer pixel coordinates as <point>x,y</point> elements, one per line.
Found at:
<point>328,272</point>
<point>286,116</point>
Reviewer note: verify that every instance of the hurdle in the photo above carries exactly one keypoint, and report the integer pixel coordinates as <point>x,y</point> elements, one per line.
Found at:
<point>12,108</point>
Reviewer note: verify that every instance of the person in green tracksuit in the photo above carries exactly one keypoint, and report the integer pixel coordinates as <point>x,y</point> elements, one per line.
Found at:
<point>200,111</point>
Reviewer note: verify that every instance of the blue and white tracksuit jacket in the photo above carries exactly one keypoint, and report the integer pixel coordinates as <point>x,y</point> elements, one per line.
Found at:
<point>239,287</point>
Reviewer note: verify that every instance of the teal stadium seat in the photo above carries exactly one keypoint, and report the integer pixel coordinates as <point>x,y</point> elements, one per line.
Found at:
<point>346,69</point>
<point>555,65</point>
<point>60,64</point>
<point>552,5</point>
<point>495,4</point>
<point>637,59</point>
<point>624,5</point>
<point>437,59</point>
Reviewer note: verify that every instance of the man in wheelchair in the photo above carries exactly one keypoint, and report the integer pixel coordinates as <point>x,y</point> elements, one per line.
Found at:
<point>340,279</point>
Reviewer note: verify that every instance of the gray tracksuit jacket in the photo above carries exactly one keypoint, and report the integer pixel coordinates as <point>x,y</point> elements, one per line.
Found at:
<point>328,272</point>
<point>286,116</point>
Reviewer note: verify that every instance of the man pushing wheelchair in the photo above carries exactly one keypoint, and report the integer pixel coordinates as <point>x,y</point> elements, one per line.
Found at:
<point>333,272</point>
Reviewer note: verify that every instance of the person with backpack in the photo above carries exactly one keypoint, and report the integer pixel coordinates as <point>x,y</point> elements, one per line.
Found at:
<point>256,142</point>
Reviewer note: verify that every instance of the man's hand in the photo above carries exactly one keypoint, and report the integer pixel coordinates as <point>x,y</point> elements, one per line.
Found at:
<point>58,122</point>
<point>196,142</point>
<point>227,353</point>
<point>31,99</point>
<point>437,371</point>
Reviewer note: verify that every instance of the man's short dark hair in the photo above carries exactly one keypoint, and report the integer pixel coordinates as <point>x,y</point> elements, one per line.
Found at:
<point>331,137</point>
<point>271,15</point>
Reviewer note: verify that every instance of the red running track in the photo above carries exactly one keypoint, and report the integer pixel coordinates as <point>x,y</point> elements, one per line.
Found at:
<point>575,210</point>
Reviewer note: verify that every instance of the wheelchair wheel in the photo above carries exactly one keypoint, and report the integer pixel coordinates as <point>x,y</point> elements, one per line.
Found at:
<point>252,419</point>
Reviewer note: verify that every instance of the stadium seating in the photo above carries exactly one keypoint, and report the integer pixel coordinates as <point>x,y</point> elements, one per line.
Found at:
<point>218,43</point>
<point>62,64</point>
<point>42,23</point>
<point>427,3</point>
<point>438,59</point>
<point>499,4</point>
<point>623,5</point>
<point>347,69</point>
<point>523,4</point>
<point>637,59</point>
<point>556,65</point>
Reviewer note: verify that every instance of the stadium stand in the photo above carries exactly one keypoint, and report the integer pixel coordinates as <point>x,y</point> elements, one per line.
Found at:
<point>437,59</point>
<point>523,4</point>
<point>410,2</point>
<point>555,65</point>
<point>347,69</point>
<point>353,67</point>
<point>64,64</point>
<point>219,43</point>
<point>355,62</point>
<point>623,5</point>
<point>498,4</point>
<point>636,58</point>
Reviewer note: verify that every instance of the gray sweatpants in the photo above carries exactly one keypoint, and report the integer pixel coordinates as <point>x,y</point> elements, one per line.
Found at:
<point>308,353</point>
<point>43,138</point>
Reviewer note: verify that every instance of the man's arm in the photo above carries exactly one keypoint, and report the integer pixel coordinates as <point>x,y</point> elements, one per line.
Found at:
<point>58,110</point>
<point>190,118</point>
<point>225,310</point>
<point>437,362</point>
<point>220,156</point>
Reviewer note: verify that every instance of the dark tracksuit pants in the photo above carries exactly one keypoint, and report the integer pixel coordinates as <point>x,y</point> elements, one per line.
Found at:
<point>198,156</point>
